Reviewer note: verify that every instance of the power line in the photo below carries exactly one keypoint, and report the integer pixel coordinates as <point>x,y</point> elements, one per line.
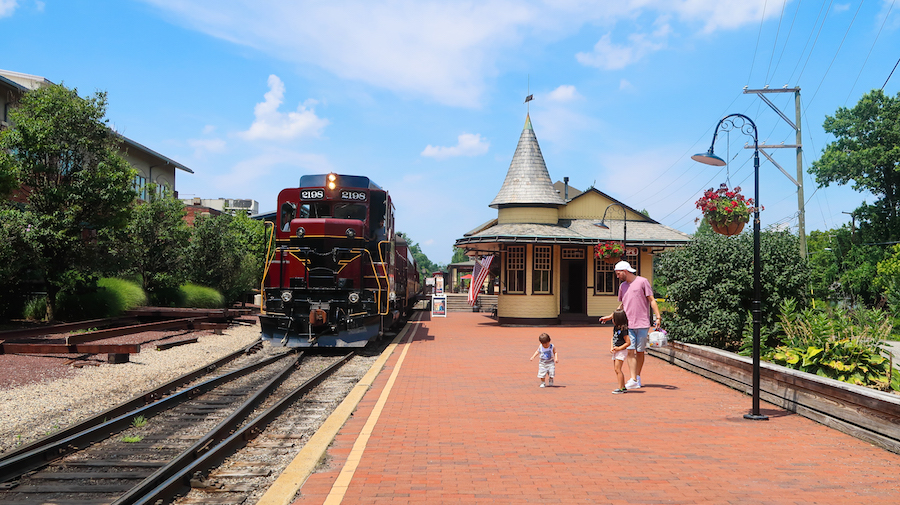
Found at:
<point>790,31</point>
<point>762,21</point>
<point>889,76</point>
<point>835,54</point>
<point>870,54</point>
<point>775,43</point>
<point>814,41</point>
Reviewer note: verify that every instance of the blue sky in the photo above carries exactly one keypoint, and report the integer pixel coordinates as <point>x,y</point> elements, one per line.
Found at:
<point>426,97</point>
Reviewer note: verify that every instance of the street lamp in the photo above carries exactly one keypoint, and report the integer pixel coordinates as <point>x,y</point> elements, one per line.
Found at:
<point>746,126</point>
<point>602,223</point>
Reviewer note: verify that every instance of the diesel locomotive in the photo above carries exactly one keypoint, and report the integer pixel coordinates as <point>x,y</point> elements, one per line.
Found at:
<point>337,274</point>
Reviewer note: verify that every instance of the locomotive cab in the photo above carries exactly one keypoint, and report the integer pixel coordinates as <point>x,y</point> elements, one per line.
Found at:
<point>330,276</point>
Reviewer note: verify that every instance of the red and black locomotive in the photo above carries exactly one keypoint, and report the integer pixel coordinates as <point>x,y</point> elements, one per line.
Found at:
<point>337,274</point>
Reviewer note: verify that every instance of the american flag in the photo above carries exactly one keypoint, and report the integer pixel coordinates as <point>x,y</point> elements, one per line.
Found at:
<point>480,273</point>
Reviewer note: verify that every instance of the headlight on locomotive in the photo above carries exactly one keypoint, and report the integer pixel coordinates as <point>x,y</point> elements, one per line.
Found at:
<point>350,233</point>
<point>353,297</point>
<point>286,296</point>
<point>300,232</point>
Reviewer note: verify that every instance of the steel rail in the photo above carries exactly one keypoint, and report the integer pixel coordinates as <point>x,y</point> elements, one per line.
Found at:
<point>129,405</point>
<point>215,456</point>
<point>214,437</point>
<point>41,456</point>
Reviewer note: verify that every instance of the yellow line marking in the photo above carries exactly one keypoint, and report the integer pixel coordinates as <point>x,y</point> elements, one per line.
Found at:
<point>293,477</point>
<point>339,489</point>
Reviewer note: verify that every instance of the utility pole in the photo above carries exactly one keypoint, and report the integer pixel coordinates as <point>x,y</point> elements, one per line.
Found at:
<point>801,204</point>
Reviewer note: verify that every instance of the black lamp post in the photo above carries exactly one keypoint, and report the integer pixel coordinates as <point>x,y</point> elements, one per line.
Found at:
<point>602,223</point>
<point>746,126</point>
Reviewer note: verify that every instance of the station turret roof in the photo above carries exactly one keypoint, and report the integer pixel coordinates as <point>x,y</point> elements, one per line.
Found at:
<point>527,181</point>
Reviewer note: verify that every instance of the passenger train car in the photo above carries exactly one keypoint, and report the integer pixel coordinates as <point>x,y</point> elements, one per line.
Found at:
<point>337,274</point>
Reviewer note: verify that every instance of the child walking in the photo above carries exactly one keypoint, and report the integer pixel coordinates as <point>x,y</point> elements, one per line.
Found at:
<point>619,348</point>
<point>549,358</point>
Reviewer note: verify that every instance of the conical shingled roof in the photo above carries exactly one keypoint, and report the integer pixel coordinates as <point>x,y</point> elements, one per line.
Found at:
<point>527,181</point>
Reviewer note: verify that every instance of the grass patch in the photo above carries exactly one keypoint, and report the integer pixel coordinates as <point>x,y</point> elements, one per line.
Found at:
<point>131,440</point>
<point>139,422</point>
<point>201,297</point>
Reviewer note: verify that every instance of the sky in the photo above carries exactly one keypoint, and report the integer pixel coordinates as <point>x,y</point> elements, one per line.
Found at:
<point>427,98</point>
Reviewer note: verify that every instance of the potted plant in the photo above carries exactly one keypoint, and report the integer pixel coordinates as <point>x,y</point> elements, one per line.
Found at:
<point>727,211</point>
<point>609,252</point>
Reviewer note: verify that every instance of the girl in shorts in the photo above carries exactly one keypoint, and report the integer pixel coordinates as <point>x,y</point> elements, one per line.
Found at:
<point>619,348</point>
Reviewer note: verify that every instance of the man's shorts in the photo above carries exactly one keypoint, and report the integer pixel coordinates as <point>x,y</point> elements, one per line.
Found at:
<point>638,339</point>
<point>545,368</point>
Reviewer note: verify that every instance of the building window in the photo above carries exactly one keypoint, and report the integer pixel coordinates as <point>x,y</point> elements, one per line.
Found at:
<point>572,254</point>
<point>540,277</point>
<point>515,269</point>
<point>140,186</point>
<point>605,280</point>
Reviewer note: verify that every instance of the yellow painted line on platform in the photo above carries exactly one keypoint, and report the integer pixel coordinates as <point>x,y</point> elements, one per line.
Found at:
<point>290,481</point>
<point>339,489</point>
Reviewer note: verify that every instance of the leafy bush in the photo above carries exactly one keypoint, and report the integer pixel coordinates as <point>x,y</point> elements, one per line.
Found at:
<point>836,343</point>
<point>35,309</point>
<point>92,299</point>
<point>710,282</point>
<point>226,253</point>
<point>200,297</point>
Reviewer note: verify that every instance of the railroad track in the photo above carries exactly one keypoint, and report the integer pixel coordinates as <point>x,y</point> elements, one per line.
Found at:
<point>162,445</point>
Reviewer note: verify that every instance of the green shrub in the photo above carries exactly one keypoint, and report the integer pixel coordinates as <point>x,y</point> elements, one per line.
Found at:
<point>128,294</point>
<point>35,309</point>
<point>201,297</point>
<point>710,283</point>
<point>841,344</point>
<point>107,297</point>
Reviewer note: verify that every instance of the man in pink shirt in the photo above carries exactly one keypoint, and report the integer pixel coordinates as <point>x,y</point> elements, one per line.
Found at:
<point>636,297</point>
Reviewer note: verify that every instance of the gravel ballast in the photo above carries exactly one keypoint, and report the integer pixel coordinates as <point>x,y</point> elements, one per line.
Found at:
<point>65,395</point>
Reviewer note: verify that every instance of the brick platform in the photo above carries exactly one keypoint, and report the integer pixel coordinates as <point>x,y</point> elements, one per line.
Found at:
<point>464,421</point>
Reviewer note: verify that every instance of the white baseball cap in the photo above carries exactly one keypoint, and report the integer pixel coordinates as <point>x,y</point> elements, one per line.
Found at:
<point>624,265</point>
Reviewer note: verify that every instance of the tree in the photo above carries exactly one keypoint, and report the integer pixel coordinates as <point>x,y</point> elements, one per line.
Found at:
<point>15,270</point>
<point>459,255</point>
<point>62,156</point>
<point>866,152</point>
<point>421,259</point>
<point>710,282</point>
<point>226,253</point>
<point>156,242</point>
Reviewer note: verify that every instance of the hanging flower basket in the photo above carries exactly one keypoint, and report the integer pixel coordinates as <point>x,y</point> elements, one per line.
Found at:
<point>729,229</point>
<point>610,252</point>
<point>727,211</point>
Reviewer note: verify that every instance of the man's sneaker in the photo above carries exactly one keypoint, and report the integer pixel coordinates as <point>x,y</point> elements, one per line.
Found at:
<point>543,385</point>
<point>639,383</point>
<point>551,381</point>
<point>619,391</point>
<point>632,384</point>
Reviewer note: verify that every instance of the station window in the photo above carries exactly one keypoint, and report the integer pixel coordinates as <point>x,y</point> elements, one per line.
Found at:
<point>540,277</point>
<point>515,269</point>
<point>605,280</point>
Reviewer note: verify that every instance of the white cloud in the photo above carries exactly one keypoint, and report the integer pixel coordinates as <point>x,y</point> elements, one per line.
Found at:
<point>270,124</point>
<point>625,85</point>
<point>7,7</point>
<point>208,129</point>
<point>469,145</point>
<point>249,173</point>
<point>609,56</point>
<point>203,146</point>
<point>443,50</point>
<point>564,93</point>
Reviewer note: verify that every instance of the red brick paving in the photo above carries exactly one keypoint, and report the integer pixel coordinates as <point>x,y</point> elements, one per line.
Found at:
<point>467,423</point>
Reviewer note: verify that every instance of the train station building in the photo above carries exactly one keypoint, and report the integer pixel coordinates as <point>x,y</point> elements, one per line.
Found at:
<point>543,243</point>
